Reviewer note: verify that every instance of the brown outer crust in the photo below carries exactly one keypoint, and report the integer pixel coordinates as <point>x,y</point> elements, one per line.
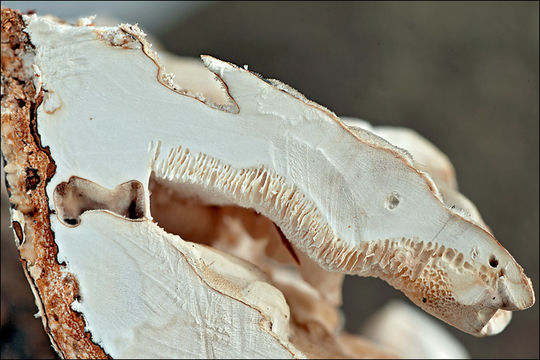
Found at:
<point>54,289</point>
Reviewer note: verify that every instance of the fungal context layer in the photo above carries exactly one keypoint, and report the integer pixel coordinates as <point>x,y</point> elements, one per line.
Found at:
<point>155,219</point>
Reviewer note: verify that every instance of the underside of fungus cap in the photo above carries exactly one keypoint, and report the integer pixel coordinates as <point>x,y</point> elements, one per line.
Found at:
<point>105,123</point>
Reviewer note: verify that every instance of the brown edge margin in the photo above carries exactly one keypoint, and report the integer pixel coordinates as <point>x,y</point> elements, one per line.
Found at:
<point>54,289</point>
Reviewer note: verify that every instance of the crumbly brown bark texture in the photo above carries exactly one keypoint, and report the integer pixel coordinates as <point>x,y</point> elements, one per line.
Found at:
<point>29,166</point>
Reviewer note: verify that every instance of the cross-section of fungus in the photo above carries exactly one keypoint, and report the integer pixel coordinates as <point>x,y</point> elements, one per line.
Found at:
<point>154,222</point>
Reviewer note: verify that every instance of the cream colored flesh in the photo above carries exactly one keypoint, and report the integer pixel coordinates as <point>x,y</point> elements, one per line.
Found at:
<point>138,290</point>
<point>333,192</point>
<point>427,158</point>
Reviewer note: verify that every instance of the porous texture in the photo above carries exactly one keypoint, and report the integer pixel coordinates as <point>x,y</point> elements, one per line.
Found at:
<point>413,266</point>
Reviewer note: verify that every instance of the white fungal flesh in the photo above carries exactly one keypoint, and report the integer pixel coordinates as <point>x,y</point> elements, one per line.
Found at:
<point>427,158</point>
<point>351,201</point>
<point>138,299</point>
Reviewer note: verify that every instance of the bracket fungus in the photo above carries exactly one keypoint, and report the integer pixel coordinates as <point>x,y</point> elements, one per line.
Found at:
<point>155,221</point>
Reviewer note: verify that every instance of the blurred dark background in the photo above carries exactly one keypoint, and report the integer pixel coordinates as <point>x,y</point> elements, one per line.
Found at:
<point>464,75</point>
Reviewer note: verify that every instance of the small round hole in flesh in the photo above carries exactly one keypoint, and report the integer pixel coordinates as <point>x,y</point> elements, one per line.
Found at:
<point>392,201</point>
<point>493,262</point>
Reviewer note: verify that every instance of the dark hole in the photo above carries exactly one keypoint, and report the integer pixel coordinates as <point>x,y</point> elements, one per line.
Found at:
<point>132,210</point>
<point>18,231</point>
<point>493,261</point>
<point>493,298</point>
<point>424,300</point>
<point>32,179</point>
<point>70,221</point>
<point>501,273</point>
